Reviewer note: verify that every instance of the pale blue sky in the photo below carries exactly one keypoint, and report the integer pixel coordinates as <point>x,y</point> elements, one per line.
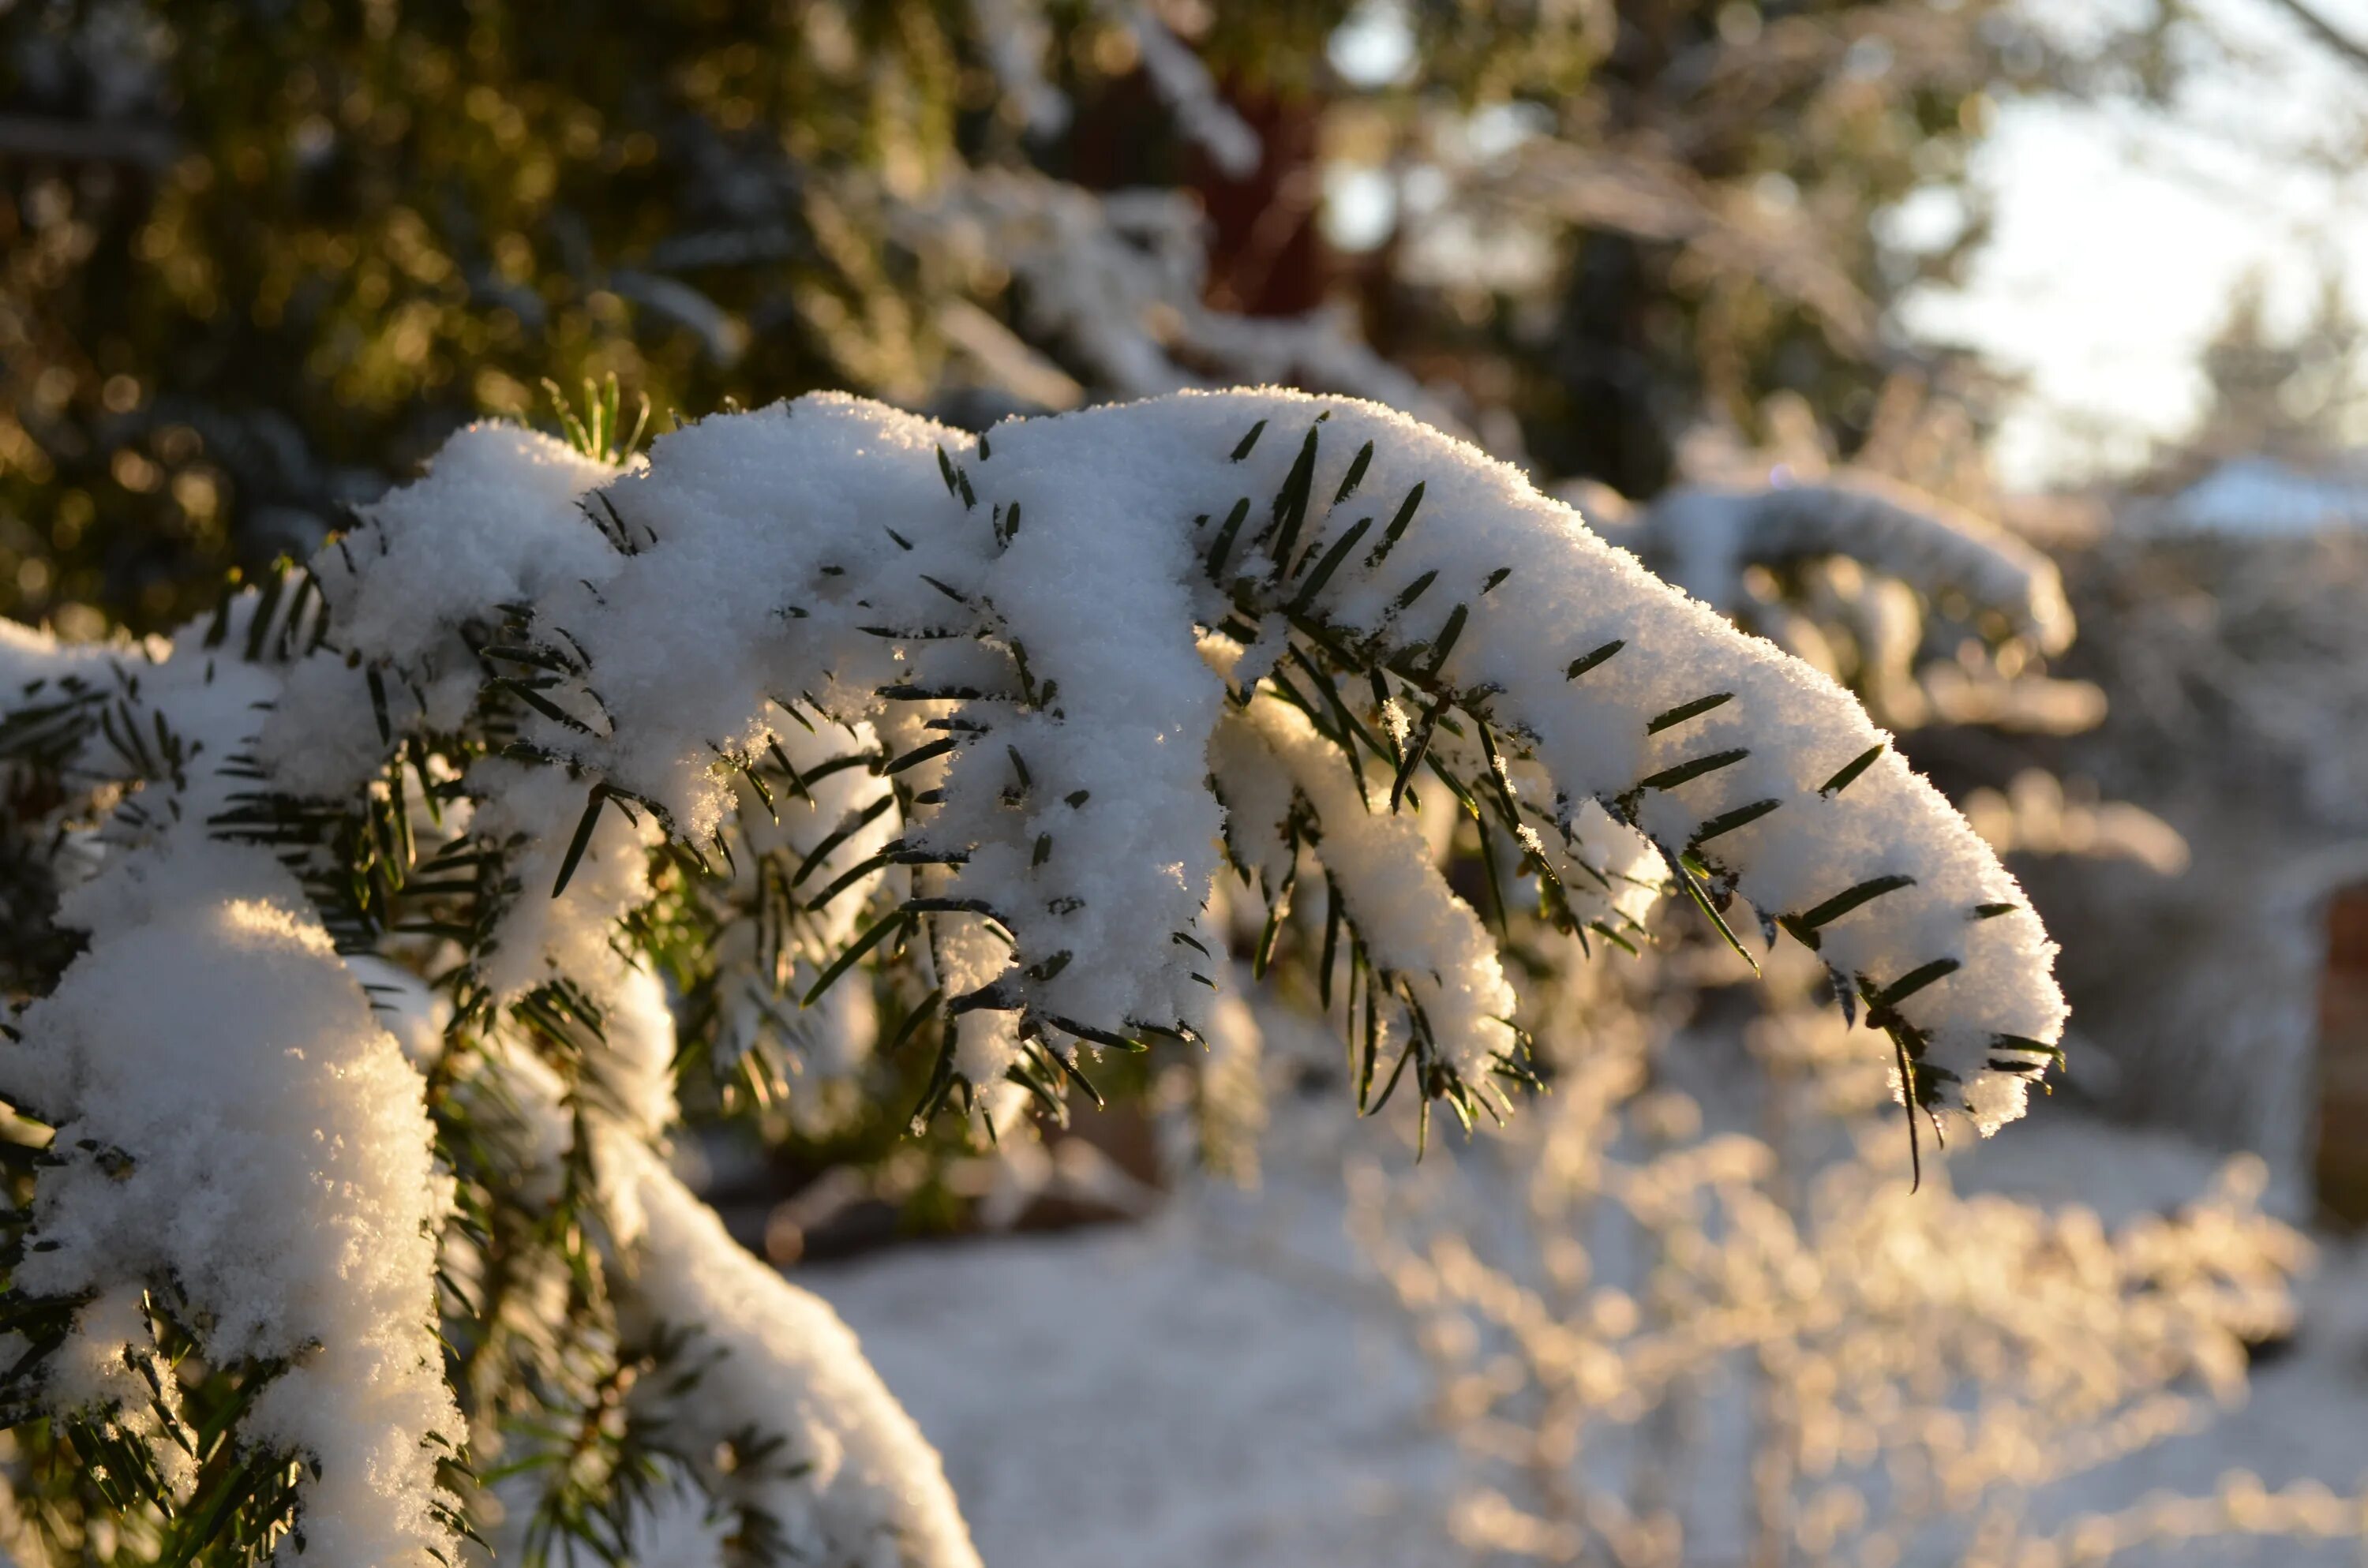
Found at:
<point>2121,236</point>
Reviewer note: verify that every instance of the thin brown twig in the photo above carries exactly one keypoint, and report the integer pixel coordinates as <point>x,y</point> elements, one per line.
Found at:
<point>2327,32</point>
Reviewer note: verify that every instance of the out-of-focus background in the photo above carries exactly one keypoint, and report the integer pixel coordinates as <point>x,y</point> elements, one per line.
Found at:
<point>2087,275</point>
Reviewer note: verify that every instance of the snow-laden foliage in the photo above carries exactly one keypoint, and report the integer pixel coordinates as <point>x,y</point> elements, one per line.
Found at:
<point>1018,36</point>
<point>2034,814</point>
<point>1116,282</point>
<point>1689,1313</point>
<point>871,736</point>
<point>1876,582</point>
<point>1710,536</point>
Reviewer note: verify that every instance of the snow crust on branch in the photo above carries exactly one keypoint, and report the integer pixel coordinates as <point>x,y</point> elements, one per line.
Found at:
<point>238,1140</point>
<point>810,557</point>
<point>856,1483</point>
<point>1411,920</point>
<point>1183,83</point>
<point>840,823</point>
<point>258,1152</point>
<point>1017,37</point>
<point>1850,571</point>
<point>827,1467</point>
<point>249,1147</point>
<point>31,654</point>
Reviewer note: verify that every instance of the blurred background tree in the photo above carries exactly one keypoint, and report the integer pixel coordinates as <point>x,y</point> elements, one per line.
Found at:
<point>261,258</point>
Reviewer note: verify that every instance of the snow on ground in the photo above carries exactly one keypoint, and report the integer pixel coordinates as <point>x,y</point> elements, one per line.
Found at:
<point>2306,1414</point>
<point>1217,1387</point>
<point>2263,498</point>
<point>1222,1385</point>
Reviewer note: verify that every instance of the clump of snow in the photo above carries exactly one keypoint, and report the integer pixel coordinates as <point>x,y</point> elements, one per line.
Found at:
<point>854,1480</point>
<point>1119,280</point>
<point>1606,732</point>
<point>1413,923</point>
<point>1849,572</point>
<point>780,1426</point>
<point>495,521</point>
<point>542,936</point>
<point>1017,39</point>
<point>2034,814</point>
<point>1201,113</point>
<point>236,1132</point>
<point>760,978</point>
<point>31,654</point>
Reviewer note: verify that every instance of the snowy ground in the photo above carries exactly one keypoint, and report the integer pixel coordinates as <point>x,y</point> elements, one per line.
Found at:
<point>1222,1387</point>
<point>1217,1387</point>
<point>2307,1416</point>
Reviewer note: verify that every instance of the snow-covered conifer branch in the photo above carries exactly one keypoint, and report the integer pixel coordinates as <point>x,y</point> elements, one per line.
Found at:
<point>1115,282</point>
<point>817,707</point>
<point>241,1163</point>
<point>1704,538</point>
<point>1007,631</point>
<point>1845,572</point>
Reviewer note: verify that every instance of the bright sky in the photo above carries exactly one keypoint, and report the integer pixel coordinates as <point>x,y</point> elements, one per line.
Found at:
<point>2121,237</point>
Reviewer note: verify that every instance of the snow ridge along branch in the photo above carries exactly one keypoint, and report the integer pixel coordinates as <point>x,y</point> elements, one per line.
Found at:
<point>1041,631</point>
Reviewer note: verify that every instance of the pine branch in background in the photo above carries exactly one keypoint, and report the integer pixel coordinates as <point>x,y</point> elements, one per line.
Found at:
<point>1882,586</point>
